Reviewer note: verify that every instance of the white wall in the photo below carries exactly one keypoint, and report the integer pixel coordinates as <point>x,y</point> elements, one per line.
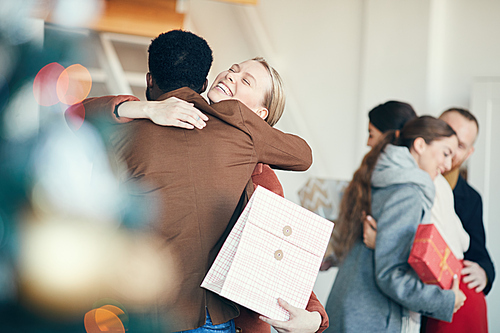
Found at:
<point>339,58</point>
<point>319,93</point>
<point>468,47</point>
<point>483,170</point>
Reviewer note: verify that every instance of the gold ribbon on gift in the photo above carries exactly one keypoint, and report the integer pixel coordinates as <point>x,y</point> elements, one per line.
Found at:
<point>443,264</point>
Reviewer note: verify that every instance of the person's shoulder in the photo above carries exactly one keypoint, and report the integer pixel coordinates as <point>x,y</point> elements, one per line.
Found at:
<point>238,114</point>
<point>233,106</point>
<point>188,95</point>
<point>405,194</point>
<point>402,187</point>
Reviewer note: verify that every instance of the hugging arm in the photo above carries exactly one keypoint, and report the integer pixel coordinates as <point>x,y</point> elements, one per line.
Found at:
<point>278,149</point>
<point>124,108</point>
<point>99,108</point>
<point>169,112</point>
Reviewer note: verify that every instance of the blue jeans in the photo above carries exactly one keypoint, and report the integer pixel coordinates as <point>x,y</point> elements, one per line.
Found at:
<point>209,327</point>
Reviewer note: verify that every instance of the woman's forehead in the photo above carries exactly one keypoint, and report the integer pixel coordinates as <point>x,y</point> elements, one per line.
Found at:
<point>258,71</point>
<point>448,141</point>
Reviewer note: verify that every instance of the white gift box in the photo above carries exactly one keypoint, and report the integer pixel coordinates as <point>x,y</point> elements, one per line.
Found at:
<point>274,251</point>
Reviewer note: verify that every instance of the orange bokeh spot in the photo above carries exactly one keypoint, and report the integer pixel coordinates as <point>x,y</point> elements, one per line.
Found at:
<point>118,312</point>
<point>104,319</point>
<point>44,86</point>
<point>74,84</point>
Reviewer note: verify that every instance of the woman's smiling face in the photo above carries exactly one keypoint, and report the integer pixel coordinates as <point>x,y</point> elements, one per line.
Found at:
<point>436,158</point>
<point>247,82</point>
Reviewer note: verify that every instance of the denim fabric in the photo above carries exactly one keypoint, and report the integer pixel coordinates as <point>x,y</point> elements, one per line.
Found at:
<point>227,327</point>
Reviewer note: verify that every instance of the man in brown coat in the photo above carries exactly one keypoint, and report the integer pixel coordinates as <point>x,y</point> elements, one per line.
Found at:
<point>195,181</point>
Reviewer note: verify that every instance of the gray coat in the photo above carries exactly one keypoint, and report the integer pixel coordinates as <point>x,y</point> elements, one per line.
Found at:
<point>374,289</point>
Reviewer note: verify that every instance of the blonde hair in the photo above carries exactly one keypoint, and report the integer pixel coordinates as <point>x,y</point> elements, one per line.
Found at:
<point>274,100</point>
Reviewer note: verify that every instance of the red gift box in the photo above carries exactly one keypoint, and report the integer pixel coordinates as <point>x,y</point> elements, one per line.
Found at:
<point>432,258</point>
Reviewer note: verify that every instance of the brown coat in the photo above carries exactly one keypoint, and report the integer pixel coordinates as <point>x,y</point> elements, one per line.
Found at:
<point>197,177</point>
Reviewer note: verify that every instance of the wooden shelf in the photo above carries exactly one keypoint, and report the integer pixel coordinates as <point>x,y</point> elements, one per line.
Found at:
<point>139,17</point>
<point>146,18</point>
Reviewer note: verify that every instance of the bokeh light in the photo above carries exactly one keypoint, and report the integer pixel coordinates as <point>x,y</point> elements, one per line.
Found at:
<point>18,27</point>
<point>74,84</point>
<point>21,118</point>
<point>75,176</point>
<point>54,84</point>
<point>77,13</point>
<point>104,319</point>
<point>45,84</point>
<point>141,269</point>
<point>61,263</point>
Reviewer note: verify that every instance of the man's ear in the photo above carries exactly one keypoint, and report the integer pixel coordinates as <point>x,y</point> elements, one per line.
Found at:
<point>419,145</point>
<point>205,86</point>
<point>263,113</point>
<point>149,80</point>
<point>397,133</point>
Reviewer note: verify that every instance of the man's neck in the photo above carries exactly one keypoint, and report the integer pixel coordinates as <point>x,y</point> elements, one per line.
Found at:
<point>452,177</point>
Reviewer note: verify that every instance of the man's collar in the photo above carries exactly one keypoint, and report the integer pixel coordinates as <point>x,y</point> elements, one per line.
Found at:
<point>184,91</point>
<point>452,177</point>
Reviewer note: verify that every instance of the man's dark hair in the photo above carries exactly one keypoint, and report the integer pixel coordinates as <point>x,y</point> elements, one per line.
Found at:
<point>391,115</point>
<point>179,59</point>
<point>465,113</point>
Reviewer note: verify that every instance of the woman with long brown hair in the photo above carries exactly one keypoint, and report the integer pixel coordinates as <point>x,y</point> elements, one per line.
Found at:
<point>376,290</point>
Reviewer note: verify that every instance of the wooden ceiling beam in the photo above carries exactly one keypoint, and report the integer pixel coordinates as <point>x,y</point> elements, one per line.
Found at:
<point>139,17</point>
<point>146,18</point>
<point>242,2</point>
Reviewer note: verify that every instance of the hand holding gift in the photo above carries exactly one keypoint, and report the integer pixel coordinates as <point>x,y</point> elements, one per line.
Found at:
<point>459,295</point>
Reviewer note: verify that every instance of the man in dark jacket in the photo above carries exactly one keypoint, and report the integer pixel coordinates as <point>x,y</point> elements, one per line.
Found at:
<point>479,272</point>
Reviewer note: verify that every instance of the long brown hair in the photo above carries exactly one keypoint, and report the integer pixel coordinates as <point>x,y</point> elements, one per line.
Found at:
<point>356,201</point>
